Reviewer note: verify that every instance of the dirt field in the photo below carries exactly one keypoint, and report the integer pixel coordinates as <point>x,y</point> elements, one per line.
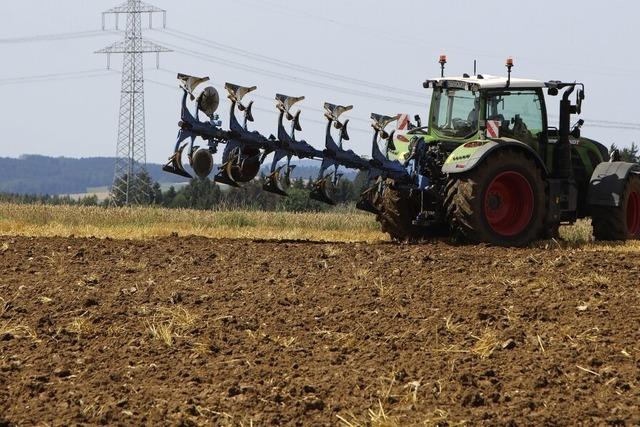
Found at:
<point>193,331</point>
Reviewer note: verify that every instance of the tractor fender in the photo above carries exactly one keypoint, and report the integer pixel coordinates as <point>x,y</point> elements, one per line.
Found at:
<point>468,156</point>
<point>608,181</point>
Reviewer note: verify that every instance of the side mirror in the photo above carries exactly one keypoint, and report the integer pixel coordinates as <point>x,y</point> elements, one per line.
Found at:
<point>575,132</point>
<point>580,97</point>
<point>553,91</point>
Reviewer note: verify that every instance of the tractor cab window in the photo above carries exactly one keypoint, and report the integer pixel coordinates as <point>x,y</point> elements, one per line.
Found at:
<point>518,113</point>
<point>455,112</point>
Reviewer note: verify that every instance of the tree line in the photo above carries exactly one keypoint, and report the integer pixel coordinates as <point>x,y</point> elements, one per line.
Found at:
<point>204,194</point>
<point>32,174</point>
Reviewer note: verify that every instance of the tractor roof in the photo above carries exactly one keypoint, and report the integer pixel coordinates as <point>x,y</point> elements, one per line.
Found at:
<point>482,81</point>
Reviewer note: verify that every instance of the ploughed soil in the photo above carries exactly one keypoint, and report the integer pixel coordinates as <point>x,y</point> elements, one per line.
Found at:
<point>191,331</point>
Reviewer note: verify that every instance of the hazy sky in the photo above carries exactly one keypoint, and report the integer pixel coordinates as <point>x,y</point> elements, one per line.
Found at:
<point>386,43</point>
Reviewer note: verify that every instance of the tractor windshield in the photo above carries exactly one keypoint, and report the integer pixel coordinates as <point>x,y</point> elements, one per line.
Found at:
<point>455,112</point>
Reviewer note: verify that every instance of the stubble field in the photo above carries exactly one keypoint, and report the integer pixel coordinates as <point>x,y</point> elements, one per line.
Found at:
<point>179,330</point>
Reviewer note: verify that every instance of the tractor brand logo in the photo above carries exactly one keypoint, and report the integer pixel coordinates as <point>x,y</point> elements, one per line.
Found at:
<point>493,128</point>
<point>402,127</point>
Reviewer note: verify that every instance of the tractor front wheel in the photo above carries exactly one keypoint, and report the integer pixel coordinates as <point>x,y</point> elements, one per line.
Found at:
<point>619,222</point>
<point>396,211</point>
<point>501,201</point>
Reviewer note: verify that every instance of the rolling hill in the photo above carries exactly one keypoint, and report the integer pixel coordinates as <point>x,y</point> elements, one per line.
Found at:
<point>40,175</point>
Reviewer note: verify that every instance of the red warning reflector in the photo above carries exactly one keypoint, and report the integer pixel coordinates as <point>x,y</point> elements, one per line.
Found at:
<point>493,128</point>
<point>403,122</point>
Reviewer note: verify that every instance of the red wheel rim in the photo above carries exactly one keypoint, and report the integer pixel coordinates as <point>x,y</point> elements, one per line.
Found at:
<point>633,214</point>
<point>508,203</point>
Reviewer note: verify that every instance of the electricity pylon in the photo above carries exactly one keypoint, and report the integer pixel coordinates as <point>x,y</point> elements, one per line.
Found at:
<point>130,183</point>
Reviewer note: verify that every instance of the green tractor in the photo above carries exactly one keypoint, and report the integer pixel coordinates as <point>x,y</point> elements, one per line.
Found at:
<point>487,168</point>
<point>490,168</point>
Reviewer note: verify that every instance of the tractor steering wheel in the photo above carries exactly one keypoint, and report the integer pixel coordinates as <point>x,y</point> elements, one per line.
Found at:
<point>458,123</point>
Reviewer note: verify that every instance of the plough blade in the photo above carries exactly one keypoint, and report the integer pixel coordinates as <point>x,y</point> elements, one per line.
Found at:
<point>225,175</point>
<point>285,102</point>
<point>333,111</point>
<point>248,111</point>
<point>366,200</point>
<point>365,205</point>
<point>380,122</point>
<point>380,162</point>
<point>320,191</point>
<point>174,165</point>
<point>344,134</point>
<point>236,92</point>
<point>273,184</point>
<point>189,83</point>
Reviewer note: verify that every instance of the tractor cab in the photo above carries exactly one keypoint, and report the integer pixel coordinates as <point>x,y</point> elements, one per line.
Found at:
<point>485,107</point>
<point>465,109</point>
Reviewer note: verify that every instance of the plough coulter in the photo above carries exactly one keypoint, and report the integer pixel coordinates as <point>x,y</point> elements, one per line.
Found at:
<point>487,168</point>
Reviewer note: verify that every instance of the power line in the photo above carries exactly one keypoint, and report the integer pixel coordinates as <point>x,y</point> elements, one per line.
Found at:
<point>289,65</point>
<point>378,31</point>
<point>233,64</point>
<point>590,122</point>
<point>55,77</point>
<point>608,122</point>
<point>596,125</point>
<point>54,37</point>
<point>382,34</point>
<point>605,123</point>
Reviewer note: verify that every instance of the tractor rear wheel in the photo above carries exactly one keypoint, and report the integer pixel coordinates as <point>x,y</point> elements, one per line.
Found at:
<point>396,212</point>
<point>501,201</point>
<point>619,222</point>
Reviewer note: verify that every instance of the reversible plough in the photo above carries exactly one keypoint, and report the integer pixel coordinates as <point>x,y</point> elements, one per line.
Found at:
<point>246,150</point>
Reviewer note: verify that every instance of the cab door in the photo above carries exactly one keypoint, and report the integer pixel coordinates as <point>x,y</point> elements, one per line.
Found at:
<point>518,114</point>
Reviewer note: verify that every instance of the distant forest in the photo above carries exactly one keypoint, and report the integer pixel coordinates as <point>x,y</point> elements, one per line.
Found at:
<point>204,194</point>
<point>42,175</point>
